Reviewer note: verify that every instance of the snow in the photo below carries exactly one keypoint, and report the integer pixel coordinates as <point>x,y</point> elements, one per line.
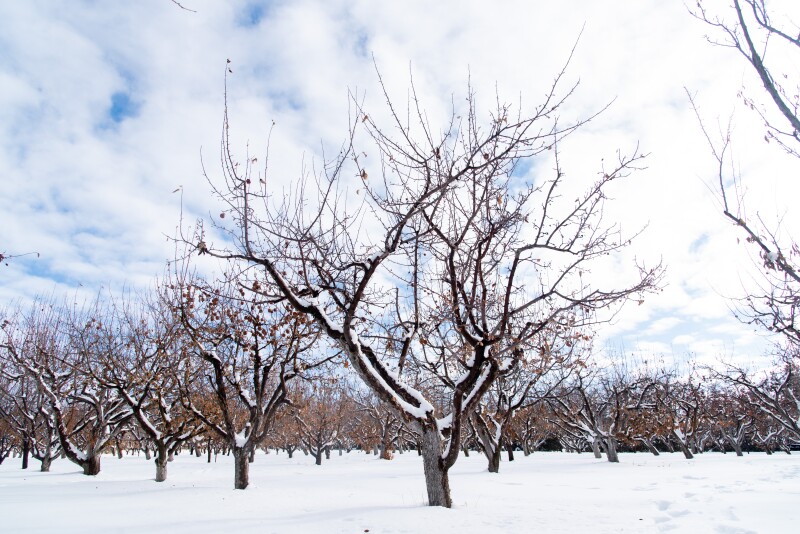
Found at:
<point>545,492</point>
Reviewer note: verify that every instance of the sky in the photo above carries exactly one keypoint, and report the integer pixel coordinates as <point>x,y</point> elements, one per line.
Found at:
<point>108,111</point>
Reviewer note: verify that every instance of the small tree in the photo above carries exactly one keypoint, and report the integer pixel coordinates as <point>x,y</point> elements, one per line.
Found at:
<point>52,345</point>
<point>244,351</point>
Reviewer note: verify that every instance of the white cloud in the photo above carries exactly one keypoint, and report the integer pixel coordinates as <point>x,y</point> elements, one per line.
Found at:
<point>97,201</point>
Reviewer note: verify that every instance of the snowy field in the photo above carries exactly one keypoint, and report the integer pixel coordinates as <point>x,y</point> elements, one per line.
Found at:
<point>546,492</point>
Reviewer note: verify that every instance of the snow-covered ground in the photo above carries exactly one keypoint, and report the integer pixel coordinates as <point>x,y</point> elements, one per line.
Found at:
<point>546,492</point>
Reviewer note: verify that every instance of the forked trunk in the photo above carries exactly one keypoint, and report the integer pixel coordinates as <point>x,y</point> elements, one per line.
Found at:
<point>241,467</point>
<point>161,464</point>
<point>436,479</point>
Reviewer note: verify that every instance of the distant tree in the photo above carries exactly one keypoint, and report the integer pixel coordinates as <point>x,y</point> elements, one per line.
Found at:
<point>543,369</point>
<point>774,393</point>
<point>52,344</point>
<point>28,416</point>
<point>321,408</point>
<point>242,352</point>
<point>142,366</point>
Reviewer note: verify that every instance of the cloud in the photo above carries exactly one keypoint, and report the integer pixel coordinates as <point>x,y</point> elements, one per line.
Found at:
<point>97,203</point>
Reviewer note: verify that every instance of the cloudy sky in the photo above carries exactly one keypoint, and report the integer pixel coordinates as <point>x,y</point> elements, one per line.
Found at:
<point>105,107</point>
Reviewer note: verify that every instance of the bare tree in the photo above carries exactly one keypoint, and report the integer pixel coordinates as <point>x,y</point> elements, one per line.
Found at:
<point>769,46</point>
<point>245,351</point>
<point>27,413</point>
<point>451,262</point>
<point>774,392</point>
<point>140,363</point>
<point>534,377</point>
<point>321,408</point>
<point>52,344</point>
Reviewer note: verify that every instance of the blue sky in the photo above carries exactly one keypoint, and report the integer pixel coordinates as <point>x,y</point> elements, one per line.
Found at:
<point>105,107</point>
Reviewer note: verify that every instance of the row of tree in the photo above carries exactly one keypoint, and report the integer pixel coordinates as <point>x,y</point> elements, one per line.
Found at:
<point>194,367</point>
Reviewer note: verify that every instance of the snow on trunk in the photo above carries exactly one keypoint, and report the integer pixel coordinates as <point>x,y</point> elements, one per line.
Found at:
<point>436,477</point>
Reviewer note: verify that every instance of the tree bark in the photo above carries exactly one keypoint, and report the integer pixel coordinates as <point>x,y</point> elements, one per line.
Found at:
<point>494,459</point>
<point>686,452</point>
<point>318,457</point>
<point>161,463</point>
<point>611,450</point>
<point>91,466</point>
<point>596,449</point>
<point>26,451</point>
<point>737,447</point>
<point>241,468</point>
<point>510,451</point>
<point>650,446</point>
<point>436,478</point>
<point>47,461</point>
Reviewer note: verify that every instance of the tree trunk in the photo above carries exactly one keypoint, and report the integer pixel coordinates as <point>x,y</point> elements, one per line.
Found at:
<point>241,468</point>
<point>91,466</point>
<point>161,463</point>
<point>611,450</point>
<point>318,457</point>
<point>26,451</point>
<point>494,459</point>
<point>596,449</point>
<point>252,456</point>
<point>436,479</point>
<point>510,451</point>
<point>327,453</point>
<point>650,446</point>
<point>47,461</point>
<point>686,452</point>
<point>386,445</point>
